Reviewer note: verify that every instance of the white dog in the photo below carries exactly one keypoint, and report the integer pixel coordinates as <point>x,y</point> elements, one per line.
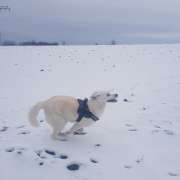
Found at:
<point>59,110</point>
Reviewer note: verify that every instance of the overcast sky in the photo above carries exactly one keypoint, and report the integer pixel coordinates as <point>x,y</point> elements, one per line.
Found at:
<point>90,21</point>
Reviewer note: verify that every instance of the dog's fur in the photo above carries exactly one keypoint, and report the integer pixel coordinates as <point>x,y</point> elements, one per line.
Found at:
<point>59,110</point>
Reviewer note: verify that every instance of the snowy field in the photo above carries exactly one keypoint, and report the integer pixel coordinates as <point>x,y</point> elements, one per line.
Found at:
<point>137,138</point>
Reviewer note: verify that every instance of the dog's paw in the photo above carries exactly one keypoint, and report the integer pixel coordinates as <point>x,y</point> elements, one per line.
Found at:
<point>79,133</point>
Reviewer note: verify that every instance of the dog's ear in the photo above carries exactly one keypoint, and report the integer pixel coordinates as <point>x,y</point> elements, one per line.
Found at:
<point>95,95</point>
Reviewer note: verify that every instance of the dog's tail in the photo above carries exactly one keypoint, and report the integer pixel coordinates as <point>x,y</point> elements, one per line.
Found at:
<point>32,116</point>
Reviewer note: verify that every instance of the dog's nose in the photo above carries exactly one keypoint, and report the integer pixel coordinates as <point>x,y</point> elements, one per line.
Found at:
<point>116,95</point>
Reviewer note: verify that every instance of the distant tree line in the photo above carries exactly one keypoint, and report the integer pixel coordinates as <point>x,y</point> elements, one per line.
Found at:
<point>29,43</point>
<point>41,43</point>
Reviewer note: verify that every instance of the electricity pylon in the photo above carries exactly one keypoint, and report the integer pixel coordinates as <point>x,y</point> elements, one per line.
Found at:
<point>3,8</point>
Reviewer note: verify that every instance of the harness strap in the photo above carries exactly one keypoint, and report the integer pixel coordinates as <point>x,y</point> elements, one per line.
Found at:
<point>83,111</point>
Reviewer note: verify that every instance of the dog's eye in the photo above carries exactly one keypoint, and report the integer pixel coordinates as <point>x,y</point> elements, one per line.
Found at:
<point>108,94</point>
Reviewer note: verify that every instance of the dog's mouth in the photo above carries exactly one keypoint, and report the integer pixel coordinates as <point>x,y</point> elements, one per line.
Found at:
<point>112,100</point>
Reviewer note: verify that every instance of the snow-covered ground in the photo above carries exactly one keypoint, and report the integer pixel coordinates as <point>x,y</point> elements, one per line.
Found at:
<point>137,138</point>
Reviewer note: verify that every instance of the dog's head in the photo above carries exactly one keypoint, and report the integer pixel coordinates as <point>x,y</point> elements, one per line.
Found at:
<point>104,96</point>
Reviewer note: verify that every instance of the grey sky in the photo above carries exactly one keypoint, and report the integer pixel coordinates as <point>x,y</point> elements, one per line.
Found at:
<point>89,21</point>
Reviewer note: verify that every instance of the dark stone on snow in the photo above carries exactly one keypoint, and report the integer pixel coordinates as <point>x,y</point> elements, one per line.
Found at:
<point>50,152</point>
<point>173,174</point>
<point>41,163</point>
<point>132,129</point>
<point>42,70</point>
<point>97,145</point>
<point>19,152</point>
<point>63,156</point>
<point>143,108</point>
<point>125,100</point>
<point>73,167</point>
<point>11,149</point>
<point>25,132</point>
<point>169,132</point>
<point>4,129</point>
<point>93,160</point>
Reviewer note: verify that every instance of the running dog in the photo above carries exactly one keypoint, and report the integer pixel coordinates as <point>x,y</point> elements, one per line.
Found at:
<point>59,110</point>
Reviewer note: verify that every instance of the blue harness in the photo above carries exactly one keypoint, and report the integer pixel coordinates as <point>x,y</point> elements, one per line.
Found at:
<point>83,111</point>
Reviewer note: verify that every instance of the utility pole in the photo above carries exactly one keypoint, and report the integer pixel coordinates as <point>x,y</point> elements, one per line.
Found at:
<point>3,8</point>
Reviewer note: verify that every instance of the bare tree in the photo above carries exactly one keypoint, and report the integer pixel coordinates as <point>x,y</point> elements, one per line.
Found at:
<point>113,42</point>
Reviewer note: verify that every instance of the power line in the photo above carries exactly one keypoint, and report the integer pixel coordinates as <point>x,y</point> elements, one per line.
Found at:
<point>5,8</point>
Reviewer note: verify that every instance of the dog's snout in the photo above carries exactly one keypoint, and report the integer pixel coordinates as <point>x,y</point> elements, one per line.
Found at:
<point>116,95</point>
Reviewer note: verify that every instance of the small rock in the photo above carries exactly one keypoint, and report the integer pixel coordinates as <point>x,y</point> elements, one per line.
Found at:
<point>25,132</point>
<point>143,108</point>
<point>129,125</point>
<point>97,145</point>
<point>3,128</point>
<point>125,100</point>
<point>38,153</point>
<point>63,156</point>
<point>41,163</point>
<point>169,132</point>
<point>93,160</point>
<point>20,127</point>
<point>11,149</point>
<point>132,129</point>
<point>156,126</point>
<point>42,70</point>
<point>139,160</point>
<point>73,167</point>
<point>155,131</point>
<point>173,174</point>
<point>127,166</point>
<point>19,152</point>
<point>50,152</point>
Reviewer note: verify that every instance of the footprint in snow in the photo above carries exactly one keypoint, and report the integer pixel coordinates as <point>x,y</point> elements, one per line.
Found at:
<point>4,128</point>
<point>97,145</point>
<point>10,149</point>
<point>169,132</point>
<point>127,166</point>
<point>19,127</point>
<point>155,131</point>
<point>173,174</point>
<point>128,125</point>
<point>139,160</point>
<point>133,129</point>
<point>24,132</point>
<point>157,126</point>
<point>52,153</point>
<point>18,150</point>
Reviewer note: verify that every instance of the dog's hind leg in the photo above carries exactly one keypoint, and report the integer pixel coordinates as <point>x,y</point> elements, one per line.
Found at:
<point>57,123</point>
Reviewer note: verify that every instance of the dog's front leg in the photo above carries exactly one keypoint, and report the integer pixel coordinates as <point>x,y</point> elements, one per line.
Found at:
<point>75,128</point>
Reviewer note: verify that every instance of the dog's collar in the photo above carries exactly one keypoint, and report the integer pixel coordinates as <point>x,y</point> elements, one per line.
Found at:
<point>83,111</point>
